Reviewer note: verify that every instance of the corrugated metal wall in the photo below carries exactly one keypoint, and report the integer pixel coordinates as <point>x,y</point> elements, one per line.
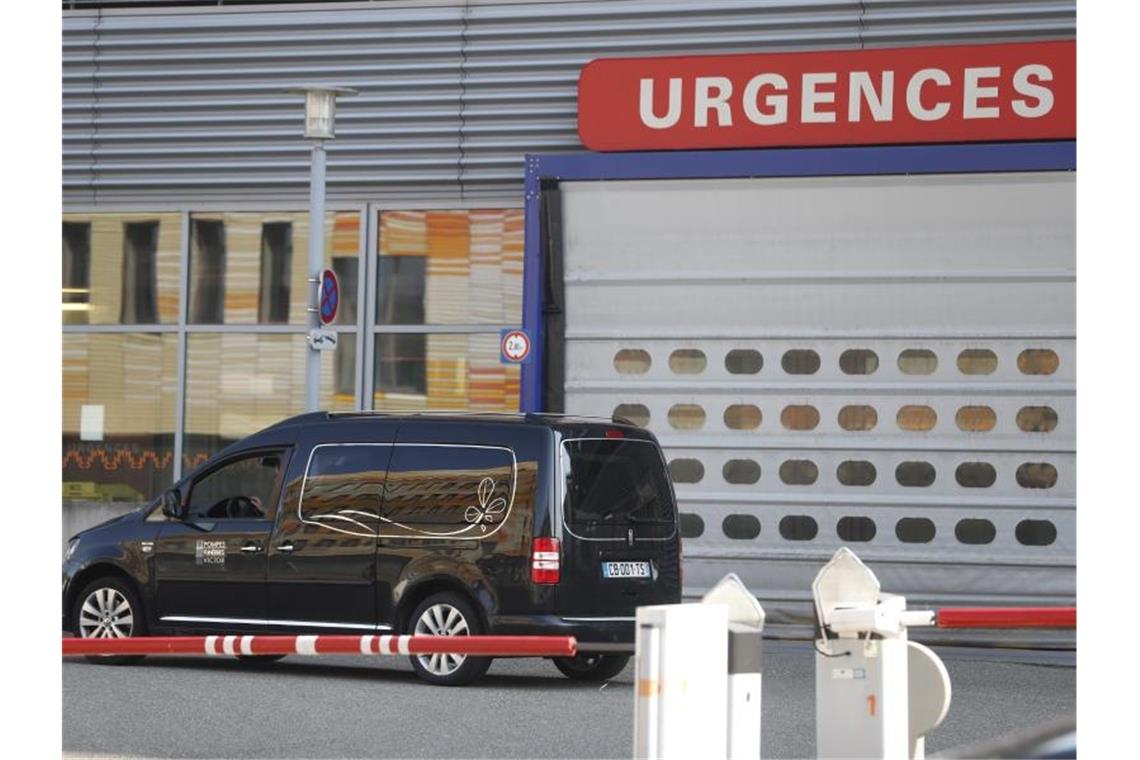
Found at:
<point>185,106</point>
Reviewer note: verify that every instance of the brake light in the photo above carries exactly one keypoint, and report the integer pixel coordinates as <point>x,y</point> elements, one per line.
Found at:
<point>615,434</point>
<point>545,561</point>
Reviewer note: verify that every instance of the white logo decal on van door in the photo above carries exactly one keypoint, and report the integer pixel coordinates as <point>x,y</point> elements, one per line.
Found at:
<point>487,509</point>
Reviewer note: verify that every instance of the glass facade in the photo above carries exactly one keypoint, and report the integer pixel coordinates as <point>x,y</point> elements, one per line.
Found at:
<point>154,384</point>
<point>446,282</point>
<point>118,415</point>
<point>121,269</point>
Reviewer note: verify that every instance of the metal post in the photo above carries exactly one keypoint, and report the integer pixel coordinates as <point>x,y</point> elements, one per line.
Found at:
<point>316,263</point>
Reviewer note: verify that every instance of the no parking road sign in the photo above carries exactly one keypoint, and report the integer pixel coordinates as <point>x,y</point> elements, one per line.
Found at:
<point>514,346</point>
<point>329,296</point>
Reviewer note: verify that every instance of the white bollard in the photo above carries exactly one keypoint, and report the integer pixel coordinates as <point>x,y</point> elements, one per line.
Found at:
<point>745,650</point>
<point>868,702</point>
<point>680,682</point>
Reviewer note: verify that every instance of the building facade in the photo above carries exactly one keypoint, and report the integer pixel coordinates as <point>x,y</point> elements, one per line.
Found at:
<point>185,184</point>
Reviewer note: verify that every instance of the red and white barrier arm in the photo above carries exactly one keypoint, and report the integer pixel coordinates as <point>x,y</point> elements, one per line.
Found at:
<point>495,646</point>
<point>992,617</point>
<point>1006,617</point>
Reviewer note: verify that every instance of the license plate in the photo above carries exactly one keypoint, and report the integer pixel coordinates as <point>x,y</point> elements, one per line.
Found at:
<point>625,569</point>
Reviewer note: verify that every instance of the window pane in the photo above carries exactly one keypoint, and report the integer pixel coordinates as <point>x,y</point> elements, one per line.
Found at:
<point>798,528</point>
<point>686,416</point>
<point>799,417</point>
<point>918,361</point>
<point>638,414</point>
<point>1036,475</point>
<point>799,472</point>
<point>253,268</point>
<point>632,361</point>
<point>118,416</point>
<point>243,489</point>
<point>972,531</point>
<point>856,529</point>
<point>916,418</point>
<point>915,474</point>
<point>443,371</point>
<point>686,470</point>
<point>1037,419</point>
<point>856,472</point>
<point>915,530</point>
<point>975,419</point>
<point>742,417</point>
<point>858,417</point>
<point>1035,532</point>
<point>344,488</point>
<point>740,527</point>
<point>741,471</point>
<point>237,384</point>
<point>977,361</point>
<point>1038,361</point>
<point>450,267</point>
<point>800,361</point>
<point>454,491</point>
<point>975,474</point>
<point>121,268</point>
<point>692,526</point>
<point>858,361</point>
<point>743,361</point>
<point>687,361</point>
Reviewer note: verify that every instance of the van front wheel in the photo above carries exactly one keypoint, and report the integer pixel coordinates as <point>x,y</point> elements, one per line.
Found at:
<point>447,614</point>
<point>591,667</point>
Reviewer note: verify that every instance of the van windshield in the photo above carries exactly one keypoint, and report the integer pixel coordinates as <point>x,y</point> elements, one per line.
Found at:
<point>615,481</point>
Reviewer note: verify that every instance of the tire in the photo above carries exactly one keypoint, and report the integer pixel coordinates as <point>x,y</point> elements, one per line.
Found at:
<point>98,612</point>
<point>447,614</point>
<point>591,667</point>
<point>259,659</point>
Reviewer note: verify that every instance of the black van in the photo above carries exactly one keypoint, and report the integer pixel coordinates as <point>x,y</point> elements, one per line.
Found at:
<point>431,524</point>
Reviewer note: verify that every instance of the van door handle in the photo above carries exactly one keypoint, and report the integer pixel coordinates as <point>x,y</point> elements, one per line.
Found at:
<point>251,548</point>
<point>286,547</point>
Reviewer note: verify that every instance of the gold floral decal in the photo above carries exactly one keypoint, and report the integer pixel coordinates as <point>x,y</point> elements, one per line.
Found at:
<point>488,508</point>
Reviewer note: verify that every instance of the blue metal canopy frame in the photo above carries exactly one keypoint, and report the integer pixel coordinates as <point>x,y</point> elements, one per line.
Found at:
<point>730,164</point>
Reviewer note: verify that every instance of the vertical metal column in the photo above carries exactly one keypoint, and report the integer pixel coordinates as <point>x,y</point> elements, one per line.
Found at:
<point>183,346</point>
<point>316,262</point>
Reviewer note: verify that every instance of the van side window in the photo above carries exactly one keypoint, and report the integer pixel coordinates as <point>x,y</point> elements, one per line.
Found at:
<point>344,487</point>
<point>448,490</point>
<point>240,489</point>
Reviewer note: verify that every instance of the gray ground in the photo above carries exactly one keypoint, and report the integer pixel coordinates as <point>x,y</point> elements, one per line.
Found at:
<point>375,707</point>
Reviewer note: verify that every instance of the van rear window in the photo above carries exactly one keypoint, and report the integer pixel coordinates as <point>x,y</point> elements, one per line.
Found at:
<point>616,481</point>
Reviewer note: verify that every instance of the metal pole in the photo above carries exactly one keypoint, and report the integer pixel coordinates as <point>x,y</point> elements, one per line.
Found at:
<point>316,263</point>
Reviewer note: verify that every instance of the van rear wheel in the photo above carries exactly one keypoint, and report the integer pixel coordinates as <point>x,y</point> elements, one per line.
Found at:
<point>447,614</point>
<point>588,666</point>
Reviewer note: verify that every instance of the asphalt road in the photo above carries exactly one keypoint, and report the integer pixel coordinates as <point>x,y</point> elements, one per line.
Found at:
<point>375,707</point>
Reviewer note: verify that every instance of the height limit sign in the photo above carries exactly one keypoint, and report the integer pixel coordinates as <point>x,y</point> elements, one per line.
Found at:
<point>514,346</point>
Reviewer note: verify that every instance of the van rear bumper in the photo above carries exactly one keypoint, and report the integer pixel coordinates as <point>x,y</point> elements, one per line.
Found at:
<point>594,634</point>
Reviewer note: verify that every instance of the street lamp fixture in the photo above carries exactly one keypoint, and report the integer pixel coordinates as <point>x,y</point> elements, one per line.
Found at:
<point>320,116</point>
<point>320,108</point>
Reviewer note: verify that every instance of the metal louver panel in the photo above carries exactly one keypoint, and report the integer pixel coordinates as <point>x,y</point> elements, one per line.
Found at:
<point>170,106</point>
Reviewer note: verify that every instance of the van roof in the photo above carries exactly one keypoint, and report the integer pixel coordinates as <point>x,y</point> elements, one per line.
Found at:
<point>543,419</point>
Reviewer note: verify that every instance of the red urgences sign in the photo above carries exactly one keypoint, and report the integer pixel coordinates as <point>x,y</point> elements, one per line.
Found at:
<point>965,93</point>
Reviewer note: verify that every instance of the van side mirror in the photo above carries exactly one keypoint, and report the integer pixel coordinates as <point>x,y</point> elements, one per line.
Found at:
<point>172,504</point>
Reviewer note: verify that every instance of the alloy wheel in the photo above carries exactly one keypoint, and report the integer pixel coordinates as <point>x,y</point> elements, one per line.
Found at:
<point>441,620</point>
<point>106,614</point>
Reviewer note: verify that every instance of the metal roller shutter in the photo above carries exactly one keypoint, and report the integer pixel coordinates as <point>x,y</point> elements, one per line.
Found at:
<point>882,362</point>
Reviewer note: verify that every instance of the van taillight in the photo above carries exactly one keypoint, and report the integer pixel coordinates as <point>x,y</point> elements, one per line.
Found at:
<point>545,561</point>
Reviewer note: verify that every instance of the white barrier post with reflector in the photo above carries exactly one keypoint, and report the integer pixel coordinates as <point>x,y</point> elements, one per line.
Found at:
<point>877,694</point>
<point>745,672</point>
<point>681,682</point>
